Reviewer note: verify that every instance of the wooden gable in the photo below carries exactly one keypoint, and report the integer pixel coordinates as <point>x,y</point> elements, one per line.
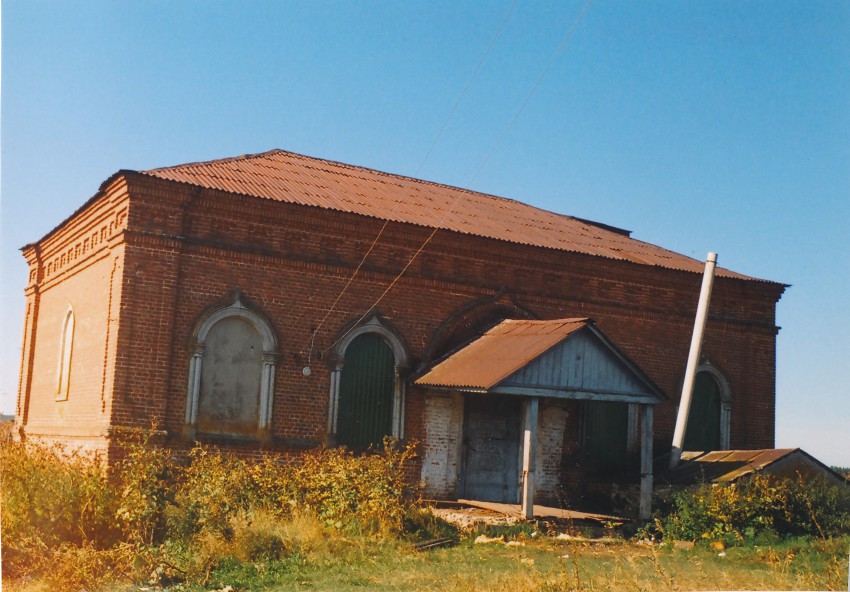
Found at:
<point>562,358</point>
<point>587,366</point>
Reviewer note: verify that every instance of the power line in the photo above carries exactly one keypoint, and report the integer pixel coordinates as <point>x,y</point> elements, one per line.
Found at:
<point>416,174</point>
<point>567,36</point>
<point>466,88</point>
<point>461,195</point>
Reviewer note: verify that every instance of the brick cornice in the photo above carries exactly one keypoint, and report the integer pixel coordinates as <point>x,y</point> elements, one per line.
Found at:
<point>270,257</point>
<point>331,222</point>
<point>81,240</point>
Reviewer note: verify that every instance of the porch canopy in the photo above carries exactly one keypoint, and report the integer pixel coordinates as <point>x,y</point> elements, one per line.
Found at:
<point>561,358</point>
<point>558,359</point>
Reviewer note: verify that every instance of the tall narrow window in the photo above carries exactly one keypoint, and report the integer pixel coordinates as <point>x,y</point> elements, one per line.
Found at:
<point>231,374</point>
<point>367,393</point>
<point>708,418</point>
<point>66,345</point>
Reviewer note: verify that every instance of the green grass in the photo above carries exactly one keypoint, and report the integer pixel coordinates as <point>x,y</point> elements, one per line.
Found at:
<point>540,566</point>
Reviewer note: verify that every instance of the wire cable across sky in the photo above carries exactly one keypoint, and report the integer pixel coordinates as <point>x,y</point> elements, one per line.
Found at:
<point>533,90</point>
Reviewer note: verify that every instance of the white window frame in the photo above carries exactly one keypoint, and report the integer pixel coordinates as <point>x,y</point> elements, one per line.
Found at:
<point>725,402</point>
<point>66,347</point>
<point>374,326</point>
<point>270,358</point>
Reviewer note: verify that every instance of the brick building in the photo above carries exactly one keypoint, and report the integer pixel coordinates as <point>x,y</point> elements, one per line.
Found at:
<point>519,345</point>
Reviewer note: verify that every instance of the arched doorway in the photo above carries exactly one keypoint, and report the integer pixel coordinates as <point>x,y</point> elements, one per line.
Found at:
<point>366,393</point>
<point>708,418</point>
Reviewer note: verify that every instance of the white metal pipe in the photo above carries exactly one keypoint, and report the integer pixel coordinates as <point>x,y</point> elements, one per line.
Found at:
<point>693,360</point>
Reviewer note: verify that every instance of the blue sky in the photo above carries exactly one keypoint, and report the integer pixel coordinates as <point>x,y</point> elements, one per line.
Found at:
<point>701,126</point>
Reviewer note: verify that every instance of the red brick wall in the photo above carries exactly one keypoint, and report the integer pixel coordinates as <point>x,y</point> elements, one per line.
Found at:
<point>187,249</point>
<point>79,267</point>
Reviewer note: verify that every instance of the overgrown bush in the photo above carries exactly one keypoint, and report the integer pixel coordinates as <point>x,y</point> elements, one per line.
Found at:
<point>760,506</point>
<point>364,493</point>
<point>143,481</point>
<point>215,487</point>
<point>52,499</point>
<point>71,522</point>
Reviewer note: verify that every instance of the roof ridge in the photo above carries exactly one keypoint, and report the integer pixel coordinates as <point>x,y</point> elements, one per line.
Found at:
<point>331,184</point>
<point>413,180</point>
<point>214,161</point>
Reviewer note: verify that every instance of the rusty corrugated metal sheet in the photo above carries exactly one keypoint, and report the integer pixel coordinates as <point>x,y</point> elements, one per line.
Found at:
<point>725,466</point>
<point>498,353</point>
<point>294,178</point>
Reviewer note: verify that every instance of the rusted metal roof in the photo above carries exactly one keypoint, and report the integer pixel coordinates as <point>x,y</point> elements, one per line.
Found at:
<point>561,358</point>
<point>499,352</point>
<point>726,466</point>
<point>294,178</point>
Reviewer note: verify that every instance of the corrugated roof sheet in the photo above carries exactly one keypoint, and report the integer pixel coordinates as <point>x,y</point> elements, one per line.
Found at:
<point>726,466</point>
<point>721,466</point>
<point>294,178</point>
<point>499,352</point>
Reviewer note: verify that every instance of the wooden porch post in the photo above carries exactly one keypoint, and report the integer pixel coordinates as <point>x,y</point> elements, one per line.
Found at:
<point>645,462</point>
<point>529,453</point>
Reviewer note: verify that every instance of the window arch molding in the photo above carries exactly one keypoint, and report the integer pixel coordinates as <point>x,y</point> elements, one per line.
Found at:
<point>375,325</point>
<point>707,367</point>
<point>66,346</point>
<point>270,354</point>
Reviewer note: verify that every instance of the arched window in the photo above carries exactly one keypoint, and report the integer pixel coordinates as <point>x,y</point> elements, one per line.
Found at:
<point>367,393</point>
<point>710,413</point>
<point>231,373</point>
<point>66,345</point>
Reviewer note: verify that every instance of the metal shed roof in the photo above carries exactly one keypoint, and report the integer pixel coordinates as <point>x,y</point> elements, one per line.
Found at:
<point>726,466</point>
<point>561,358</point>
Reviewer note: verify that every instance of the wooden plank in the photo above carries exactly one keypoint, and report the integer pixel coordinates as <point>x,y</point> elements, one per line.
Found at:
<point>541,511</point>
<point>645,510</point>
<point>577,394</point>
<point>529,455</point>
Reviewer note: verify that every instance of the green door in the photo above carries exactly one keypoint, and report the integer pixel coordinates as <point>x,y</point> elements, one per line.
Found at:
<point>606,427</point>
<point>703,432</point>
<point>366,393</point>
